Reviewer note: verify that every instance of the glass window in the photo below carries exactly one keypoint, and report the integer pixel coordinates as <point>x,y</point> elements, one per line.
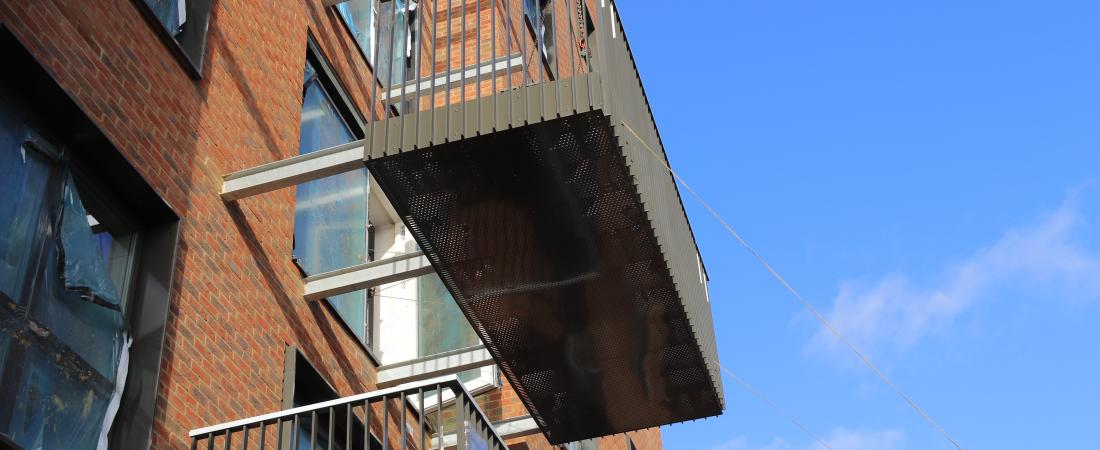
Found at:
<point>441,325</point>
<point>330,216</point>
<point>184,23</point>
<point>371,23</point>
<point>171,13</point>
<point>63,278</point>
<point>360,16</point>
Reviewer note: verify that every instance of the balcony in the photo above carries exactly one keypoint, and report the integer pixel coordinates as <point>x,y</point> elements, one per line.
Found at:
<point>519,149</point>
<point>338,424</point>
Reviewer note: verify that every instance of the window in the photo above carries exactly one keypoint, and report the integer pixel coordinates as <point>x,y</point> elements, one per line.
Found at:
<point>371,24</point>
<point>182,25</point>
<point>303,386</point>
<point>330,217</point>
<point>540,17</point>
<point>81,332</point>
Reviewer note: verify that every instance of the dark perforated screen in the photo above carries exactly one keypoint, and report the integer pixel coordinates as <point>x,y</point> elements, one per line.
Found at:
<point>540,235</point>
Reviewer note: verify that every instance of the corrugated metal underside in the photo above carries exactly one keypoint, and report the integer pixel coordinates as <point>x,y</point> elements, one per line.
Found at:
<point>541,234</point>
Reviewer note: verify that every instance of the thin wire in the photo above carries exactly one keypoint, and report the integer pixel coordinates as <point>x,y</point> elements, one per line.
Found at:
<point>772,404</point>
<point>817,314</point>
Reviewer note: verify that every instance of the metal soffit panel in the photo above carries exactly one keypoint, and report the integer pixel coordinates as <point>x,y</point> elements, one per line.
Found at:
<point>542,236</point>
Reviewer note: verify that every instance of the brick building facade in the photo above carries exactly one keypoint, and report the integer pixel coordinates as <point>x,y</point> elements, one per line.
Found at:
<point>154,118</point>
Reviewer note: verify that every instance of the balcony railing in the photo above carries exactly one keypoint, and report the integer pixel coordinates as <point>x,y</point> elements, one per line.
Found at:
<point>339,424</point>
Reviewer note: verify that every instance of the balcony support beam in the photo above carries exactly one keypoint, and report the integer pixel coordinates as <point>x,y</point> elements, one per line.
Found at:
<point>363,276</point>
<point>292,171</point>
<point>507,429</point>
<point>437,365</point>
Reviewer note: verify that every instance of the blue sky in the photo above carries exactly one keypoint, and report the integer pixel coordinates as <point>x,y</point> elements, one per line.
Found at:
<point>927,174</point>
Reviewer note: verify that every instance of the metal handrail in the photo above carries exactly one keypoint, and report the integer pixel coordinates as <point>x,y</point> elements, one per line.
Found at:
<point>475,419</point>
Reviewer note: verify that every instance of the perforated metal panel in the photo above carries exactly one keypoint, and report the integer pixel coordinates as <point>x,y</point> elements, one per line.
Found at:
<point>542,237</point>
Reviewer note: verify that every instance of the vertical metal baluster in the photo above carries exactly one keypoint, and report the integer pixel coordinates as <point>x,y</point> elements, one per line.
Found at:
<point>435,59</point>
<point>554,36</point>
<point>366,424</point>
<point>228,438</point>
<point>389,76</point>
<point>404,414</point>
<point>508,47</point>
<point>385,423</point>
<point>460,419</point>
<point>573,49</point>
<point>313,430</point>
<point>263,435</point>
<point>244,437</point>
<point>463,56</point>
<point>347,426</point>
<point>374,70</point>
<point>462,68</point>
<point>194,442</point>
<point>419,63</point>
<point>404,82</point>
<point>477,42</point>
<point>493,50</point>
<point>522,34</point>
<point>447,73</point>
<point>420,418</point>
<point>439,414</point>
<point>279,433</point>
<point>210,441</point>
<point>294,433</point>
<point>331,427</point>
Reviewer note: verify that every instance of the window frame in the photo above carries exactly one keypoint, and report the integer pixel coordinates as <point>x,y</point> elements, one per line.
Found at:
<point>189,49</point>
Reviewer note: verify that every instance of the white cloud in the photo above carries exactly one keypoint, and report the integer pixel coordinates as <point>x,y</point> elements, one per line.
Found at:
<point>838,439</point>
<point>895,313</point>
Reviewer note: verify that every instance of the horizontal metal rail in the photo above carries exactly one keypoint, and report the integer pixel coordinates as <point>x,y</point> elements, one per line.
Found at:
<point>363,276</point>
<point>349,419</point>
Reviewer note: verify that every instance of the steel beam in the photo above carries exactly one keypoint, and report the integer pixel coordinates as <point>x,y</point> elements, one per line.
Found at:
<point>363,276</point>
<point>437,365</point>
<point>293,171</point>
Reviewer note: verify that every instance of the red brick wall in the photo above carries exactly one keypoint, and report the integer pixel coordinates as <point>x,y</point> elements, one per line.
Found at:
<point>236,299</point>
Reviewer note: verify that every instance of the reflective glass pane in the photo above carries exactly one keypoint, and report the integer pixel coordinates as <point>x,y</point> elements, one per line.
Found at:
<point>330,216</point>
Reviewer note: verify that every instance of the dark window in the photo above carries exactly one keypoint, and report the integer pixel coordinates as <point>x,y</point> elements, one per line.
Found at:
<point>76,252</point>
<point>330,215</point>
<point>182,25</point>
<point>305,386</point>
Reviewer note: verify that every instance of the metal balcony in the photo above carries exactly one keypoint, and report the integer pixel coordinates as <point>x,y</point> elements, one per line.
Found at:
<point>424,422</point>
<point>538,190</point>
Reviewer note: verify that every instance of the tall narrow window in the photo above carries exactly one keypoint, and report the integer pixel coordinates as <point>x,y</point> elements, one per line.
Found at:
<point>330,216</point>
